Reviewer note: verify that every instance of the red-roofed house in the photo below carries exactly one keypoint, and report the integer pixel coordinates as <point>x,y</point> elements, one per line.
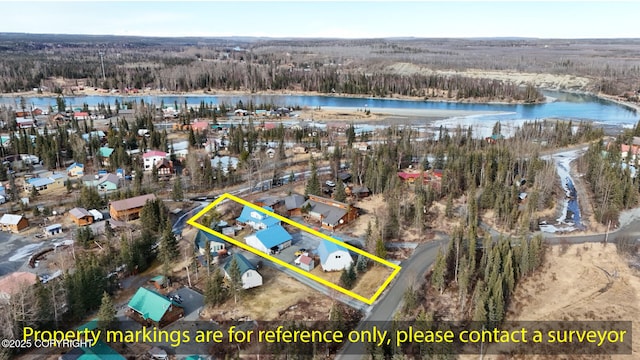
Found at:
<point>152,157</point>
<point>81,115</point>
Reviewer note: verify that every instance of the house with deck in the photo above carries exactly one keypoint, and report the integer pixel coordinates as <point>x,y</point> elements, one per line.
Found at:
<point>129,209</point>
<point>151,158</point>
<point>330,213</point>
<point>150,308</point>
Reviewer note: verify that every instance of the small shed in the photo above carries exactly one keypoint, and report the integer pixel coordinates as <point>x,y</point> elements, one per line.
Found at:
<point>159,281</point>
<point>305,262</point>
<point>53,229</point>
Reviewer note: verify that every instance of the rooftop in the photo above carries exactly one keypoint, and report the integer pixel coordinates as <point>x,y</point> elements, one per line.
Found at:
<point>132,203</point>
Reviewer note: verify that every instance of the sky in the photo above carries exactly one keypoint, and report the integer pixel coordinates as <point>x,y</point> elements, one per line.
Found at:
<point>333,19</point>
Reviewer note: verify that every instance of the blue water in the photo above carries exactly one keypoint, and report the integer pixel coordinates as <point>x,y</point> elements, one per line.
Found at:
<point>567,105</point>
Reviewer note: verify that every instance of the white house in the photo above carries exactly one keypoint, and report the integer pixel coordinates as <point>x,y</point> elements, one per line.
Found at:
<point>152,157</point>
<point>334,257</point>
<point>270,240</point>
<point>250,276</point>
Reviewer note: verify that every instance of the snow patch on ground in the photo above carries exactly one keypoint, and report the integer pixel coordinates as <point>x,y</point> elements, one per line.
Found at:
<point>481,124</point>
<point>24,252</point>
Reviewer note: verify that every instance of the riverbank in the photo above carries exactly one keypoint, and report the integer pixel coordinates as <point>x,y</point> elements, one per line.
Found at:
<point>441,97</point>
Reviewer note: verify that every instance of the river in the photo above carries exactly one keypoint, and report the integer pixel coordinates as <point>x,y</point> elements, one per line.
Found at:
<point>566,105</point>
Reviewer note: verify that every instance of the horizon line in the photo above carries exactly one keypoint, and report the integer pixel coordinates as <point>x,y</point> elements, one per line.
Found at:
<point>260,37</point>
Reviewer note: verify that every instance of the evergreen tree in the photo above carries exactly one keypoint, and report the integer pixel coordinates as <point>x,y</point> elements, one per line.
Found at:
<point>340,194</point>
<point>381,250</point>
<point>235,279</point>
<point>214,293</point>
<point>439,272</point>
<point>177,193</point>
<point>313,185</point>
<point>168,242</point>
<point>107,313</point>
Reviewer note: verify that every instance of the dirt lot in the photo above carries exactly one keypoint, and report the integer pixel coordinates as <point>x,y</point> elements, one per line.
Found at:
<point>574,286</point>
<point>279,298</point>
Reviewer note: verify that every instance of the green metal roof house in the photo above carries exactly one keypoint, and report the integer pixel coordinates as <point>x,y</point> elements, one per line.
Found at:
<point>101,351</point>
<point>250,276</point>
<point>151,308</point>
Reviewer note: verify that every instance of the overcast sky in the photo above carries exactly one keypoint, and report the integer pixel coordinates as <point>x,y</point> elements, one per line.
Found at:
<point>542,19</point>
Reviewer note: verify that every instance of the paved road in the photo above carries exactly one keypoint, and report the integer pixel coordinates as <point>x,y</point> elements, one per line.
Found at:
<point>385,307</point>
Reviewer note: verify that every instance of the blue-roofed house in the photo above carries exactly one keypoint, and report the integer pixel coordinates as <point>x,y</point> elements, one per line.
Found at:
<point>270,240</point>
<point>217,244</point>
<point>334,257</point>
<point>250,276</point>
<point>55,181</point>
<point>75,169</point>
<point>100,135</point>
<point>257,219</point>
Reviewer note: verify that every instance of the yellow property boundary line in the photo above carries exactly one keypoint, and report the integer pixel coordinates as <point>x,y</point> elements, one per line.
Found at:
<point>369,301</point>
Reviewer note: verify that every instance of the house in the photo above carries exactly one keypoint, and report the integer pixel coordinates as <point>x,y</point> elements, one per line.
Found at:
<point>217,245</point>
<point>293,204</point>
<point>300,149</point>
<point>81,216</point>
<point>225,162</point>
<point>152,157</point>
<point>53,182</point>
<point>105,153</point>
<point>108,182</point>
<point>333,257</point>
<point>13,223</point>
<point>258,220</point>
<point>53,229</point>
<point>358,192</point>
<point>361,146</point>
<point>250,276</point>
<point>270,240</point>
<point>14,283</point>
<point>271,153</point>
<point>180,149</point>
<point>305,262</point>
<point>23,123</point>
<point>75,169</point>
<point>100,135</point>
<point>411,176</point>
<point>81,115</point>
<point>164,167</point>
<point>269,201</point>
<point>98,351</point>
<point>330,213</point>
<point>153,309</point>
<point>129,209</point>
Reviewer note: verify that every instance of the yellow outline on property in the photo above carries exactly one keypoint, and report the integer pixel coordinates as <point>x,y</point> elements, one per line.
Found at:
<point>369,301</point>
